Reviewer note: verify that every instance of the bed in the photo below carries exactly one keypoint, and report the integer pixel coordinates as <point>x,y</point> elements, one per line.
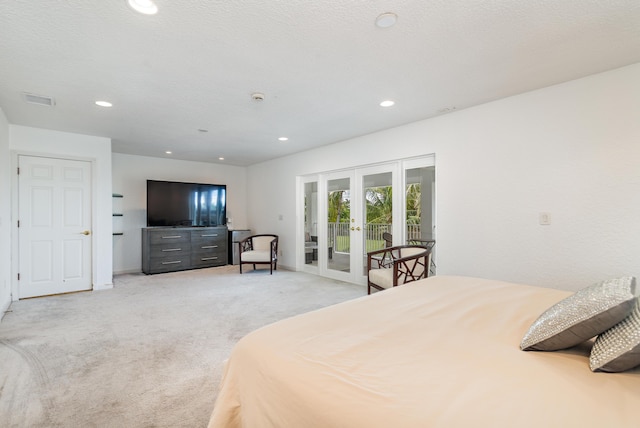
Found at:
<point>439,352</point>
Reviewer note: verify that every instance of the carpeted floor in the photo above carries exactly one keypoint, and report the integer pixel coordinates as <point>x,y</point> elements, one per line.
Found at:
<point>148,353</point>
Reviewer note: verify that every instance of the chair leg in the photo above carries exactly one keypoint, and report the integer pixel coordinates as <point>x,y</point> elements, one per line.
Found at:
<point>240,264</point>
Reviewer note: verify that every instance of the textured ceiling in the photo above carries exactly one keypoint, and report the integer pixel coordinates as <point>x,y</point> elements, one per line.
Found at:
<point>323,66</point>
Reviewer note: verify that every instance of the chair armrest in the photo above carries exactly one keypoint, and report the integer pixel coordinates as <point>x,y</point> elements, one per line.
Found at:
<point>379,259</point>
<point>245,244</point>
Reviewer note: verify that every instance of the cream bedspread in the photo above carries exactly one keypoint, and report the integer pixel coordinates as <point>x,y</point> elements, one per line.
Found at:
<point>440,352</point>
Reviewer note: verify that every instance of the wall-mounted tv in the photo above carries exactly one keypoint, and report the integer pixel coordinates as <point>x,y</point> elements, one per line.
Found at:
<point>171,203</point>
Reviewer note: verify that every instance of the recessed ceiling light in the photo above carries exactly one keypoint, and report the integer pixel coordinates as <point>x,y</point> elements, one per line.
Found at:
<point>387,103</point>
<point>168,152</point>
<point>143,6</point>
<point>104,104</point>
<point>283,138</point>
<point>220,158</point>
<point>386,20</point>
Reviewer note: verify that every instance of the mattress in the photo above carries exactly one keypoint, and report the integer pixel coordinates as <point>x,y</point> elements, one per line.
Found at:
<point>439,352</point>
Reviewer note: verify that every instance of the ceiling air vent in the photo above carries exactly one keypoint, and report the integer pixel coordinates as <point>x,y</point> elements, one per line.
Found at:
<point>39,99</point>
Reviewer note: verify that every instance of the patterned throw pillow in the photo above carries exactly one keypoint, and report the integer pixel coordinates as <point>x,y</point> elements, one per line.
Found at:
<point>618,349</point>
<point>581,316</point>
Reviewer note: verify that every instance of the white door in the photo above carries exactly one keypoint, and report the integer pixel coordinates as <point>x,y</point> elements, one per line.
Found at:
<point>54,209</point>
<point>338,234</point>
<point>358,211</point>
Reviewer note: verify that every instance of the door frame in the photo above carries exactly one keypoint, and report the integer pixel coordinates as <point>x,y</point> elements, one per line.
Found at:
<point>15,231</point>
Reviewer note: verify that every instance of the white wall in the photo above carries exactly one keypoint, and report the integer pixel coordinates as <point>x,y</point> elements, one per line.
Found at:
<point>130,174</point>
<point>572,150</point>
<point>5,216</point>
<point>34,141</point>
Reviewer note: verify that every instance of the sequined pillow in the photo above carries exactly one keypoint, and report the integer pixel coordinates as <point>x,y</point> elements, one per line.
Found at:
<point>581,316</point>
<point>618,349</point>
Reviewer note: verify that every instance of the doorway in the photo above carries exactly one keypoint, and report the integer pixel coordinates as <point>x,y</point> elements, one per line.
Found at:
<point>346,214</point>
<point>54,226</point>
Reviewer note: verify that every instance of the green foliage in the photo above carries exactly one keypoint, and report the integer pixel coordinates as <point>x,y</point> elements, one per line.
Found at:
<point>379,205</point>
<point>339,207</point>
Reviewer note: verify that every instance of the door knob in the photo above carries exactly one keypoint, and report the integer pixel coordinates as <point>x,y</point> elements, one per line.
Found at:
<point>86,232</point>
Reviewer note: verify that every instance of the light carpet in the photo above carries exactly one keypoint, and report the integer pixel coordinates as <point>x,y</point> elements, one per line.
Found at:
<point>149,353</point>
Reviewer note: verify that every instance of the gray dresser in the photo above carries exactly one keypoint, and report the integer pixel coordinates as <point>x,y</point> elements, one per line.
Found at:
<point>178,248</point>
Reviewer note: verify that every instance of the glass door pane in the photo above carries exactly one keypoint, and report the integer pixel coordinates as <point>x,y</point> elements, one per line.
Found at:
<point>338,224</point>
<point>420,207</point>
<point>311,223</point>
<point>378,212</point>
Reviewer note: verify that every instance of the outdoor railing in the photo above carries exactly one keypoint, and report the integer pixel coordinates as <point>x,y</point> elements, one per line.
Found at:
<point>340,240</point>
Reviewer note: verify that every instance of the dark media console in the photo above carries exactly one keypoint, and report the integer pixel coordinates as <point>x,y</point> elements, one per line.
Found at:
<point>169,249</point>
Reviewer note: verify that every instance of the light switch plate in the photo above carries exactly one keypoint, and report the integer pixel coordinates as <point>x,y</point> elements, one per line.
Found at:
<point>544,219</point>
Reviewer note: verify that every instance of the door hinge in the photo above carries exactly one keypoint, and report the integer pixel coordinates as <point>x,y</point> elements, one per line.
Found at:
<point>18,170</point>
<point>18,277</point>
<point>18,223</point>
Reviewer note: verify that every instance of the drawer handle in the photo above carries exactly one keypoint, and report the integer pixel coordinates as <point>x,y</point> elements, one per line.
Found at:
<point>172,237</point>
<point>172,263</point>
<point>208,258</point>
<point>171,249</point>
<point>215,234</point>
<point>209,246</point>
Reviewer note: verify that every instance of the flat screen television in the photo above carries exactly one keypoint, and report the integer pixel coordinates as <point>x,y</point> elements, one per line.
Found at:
<point>171,204</point>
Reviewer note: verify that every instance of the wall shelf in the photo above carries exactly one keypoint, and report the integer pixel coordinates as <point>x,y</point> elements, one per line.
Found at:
<point>117,213</point>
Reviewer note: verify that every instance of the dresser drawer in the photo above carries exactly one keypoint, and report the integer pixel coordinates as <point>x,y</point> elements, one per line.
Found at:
<point>174,249</point>
<point>169,237</point>
<point>209,259</point>
<point>208,235</point>
<point>169,264</point>
<point>208,247</point>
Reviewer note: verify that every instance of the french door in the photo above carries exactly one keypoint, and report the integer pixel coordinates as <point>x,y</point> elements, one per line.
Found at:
<point>338,210</point>
<point>346,214</point>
